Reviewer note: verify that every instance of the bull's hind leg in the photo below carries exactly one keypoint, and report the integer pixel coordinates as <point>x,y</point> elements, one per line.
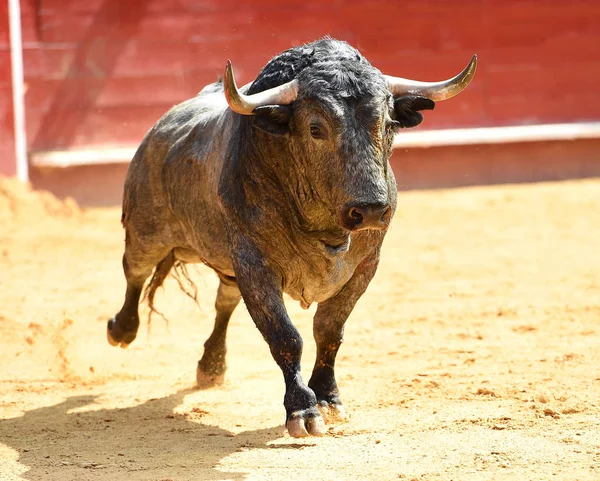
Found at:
<point>137,266</point>
<point>211,368</point>
<point>328,329</point>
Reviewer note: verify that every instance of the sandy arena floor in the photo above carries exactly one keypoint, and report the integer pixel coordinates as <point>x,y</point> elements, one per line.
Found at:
<point>474,355</point>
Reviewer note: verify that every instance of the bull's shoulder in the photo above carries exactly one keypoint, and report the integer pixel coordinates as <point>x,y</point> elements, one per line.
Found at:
<point>201,110</point>
<point>190,134</point>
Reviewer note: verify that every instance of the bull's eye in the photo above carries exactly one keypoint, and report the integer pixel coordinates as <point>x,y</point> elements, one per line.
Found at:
<point>317,131</point>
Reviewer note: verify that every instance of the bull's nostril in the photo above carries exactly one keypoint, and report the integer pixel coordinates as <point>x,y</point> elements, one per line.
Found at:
<point>356,215</point>
<point>385,217</point>
<point>366,216</point>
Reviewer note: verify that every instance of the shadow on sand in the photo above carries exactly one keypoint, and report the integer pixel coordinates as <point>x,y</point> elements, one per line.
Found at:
<point>144,442</point>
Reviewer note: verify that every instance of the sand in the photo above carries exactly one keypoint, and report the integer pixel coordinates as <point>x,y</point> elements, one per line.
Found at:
<point>474,355</point>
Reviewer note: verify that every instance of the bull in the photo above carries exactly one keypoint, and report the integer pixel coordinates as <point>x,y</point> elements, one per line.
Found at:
<point>282,186</point>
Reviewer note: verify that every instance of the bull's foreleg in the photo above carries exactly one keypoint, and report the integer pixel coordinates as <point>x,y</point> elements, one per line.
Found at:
<point>328,328</point>
<point>261,289</point>
<point>137,266</point>
<point>211,368</point>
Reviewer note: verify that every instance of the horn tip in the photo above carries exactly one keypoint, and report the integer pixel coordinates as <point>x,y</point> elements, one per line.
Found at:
<point>228,74</point>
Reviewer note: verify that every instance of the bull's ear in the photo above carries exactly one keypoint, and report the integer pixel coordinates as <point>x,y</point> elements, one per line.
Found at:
<point>273,119</point>
<point>406,110</point>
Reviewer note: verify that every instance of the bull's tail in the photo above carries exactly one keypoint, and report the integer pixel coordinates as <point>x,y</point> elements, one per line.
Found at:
<point>179,271</point>
<point>161,271</point>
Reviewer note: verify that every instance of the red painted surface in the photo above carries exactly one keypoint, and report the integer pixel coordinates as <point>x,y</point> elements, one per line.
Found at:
<point>101,72</point>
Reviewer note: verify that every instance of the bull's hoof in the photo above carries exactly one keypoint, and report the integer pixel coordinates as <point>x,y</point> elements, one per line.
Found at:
<point>118,337</point>
<point>333,413</point>
<point>205,380</point>
<point>305,422</point>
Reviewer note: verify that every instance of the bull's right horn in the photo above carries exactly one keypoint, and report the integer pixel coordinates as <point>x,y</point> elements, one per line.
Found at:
<point>245,104</point>
<point>435,91</point>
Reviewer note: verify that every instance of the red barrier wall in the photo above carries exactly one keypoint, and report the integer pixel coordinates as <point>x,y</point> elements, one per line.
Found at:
<point>101,72</point>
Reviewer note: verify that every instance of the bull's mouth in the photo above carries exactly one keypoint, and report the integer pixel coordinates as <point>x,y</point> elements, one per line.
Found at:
<point>337,246</point>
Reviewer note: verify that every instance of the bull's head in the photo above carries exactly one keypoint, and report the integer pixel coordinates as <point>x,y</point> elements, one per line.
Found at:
<point>342,141</point>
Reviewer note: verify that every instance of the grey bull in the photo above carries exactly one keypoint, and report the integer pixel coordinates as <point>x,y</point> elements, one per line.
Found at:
<point>282,186</point>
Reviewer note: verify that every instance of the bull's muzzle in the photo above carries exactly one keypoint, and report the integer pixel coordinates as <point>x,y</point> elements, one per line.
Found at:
<point>360,216</point>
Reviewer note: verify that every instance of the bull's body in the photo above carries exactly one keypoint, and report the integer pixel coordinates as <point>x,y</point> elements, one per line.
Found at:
<point>272,209</point>
<point>183,159</point>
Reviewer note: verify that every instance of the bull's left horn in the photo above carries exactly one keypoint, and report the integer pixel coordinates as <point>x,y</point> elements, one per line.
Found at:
<point>245,104</point>
<point>435,91</point>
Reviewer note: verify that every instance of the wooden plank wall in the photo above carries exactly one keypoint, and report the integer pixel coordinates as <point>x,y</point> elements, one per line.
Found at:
<point>101,72</point>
